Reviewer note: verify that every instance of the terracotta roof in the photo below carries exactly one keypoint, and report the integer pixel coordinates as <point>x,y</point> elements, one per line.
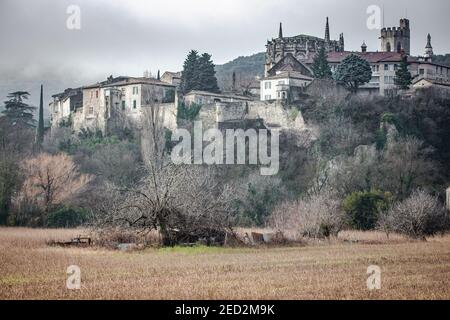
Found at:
<point>138,81</point>
<point>371,57</point>
<point>173,74</point>
<point>219,95</point>
<point>417,60</point>
<point>67,93</point>
<point>124,80</point>
<point>289,74</point>
<point>433,81</point>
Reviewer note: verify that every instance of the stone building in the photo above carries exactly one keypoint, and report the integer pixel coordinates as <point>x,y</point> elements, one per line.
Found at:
<point>64,104</point>
<point>204,97</point>
<point>172,78</point>
<point>302,47</point>
<point>396,39</point>
<point>101,105</point>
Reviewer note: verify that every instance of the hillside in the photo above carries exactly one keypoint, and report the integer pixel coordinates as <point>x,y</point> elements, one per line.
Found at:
<point>442,59</point>
<point>246,69</point>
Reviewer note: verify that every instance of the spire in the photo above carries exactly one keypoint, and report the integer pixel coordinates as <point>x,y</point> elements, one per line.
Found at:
<point>429,41</point>
<point>280,33</point>
<point>429,48</point>
<point>327,31</point>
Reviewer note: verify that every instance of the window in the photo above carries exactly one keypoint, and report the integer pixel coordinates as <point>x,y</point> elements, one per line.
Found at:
<point>135,90</point>
<point>386,67</point>
<point>91,110</point>
<point>395,67</point>
<point>267,85</point>
<point>96,94</point>
<point>134,104</point>
<point>421,71</point>
<point>123,105</point>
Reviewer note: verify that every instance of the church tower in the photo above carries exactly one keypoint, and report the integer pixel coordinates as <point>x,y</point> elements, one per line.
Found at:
<point>396,39</point>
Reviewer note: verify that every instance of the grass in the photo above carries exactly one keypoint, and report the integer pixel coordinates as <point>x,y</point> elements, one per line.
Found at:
<point>29,269</point>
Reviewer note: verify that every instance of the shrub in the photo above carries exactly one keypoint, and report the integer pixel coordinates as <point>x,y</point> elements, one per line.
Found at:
<point>67,217</point>
<point>318,216</point>
<point>418,216</point>
<point>363,208</point>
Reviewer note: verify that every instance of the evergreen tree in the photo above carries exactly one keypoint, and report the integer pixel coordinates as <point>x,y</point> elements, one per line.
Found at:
<point>17,111</point>
<point>207,74</point>
<point>320,66</point>
<point>199,73</point>
<point>40,129</point>
<point>190,76</point>
<point>353,72</point>
<point>403,76</point>
<point>158,77</point>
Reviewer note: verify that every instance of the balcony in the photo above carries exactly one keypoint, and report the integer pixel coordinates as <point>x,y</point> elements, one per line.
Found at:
<point>282,87</point>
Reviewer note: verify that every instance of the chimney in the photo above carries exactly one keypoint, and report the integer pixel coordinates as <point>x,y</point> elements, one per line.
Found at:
<point>364,47</point>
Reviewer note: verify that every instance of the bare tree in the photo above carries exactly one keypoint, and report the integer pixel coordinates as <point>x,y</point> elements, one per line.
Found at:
<point>51,179</point>
<point>418,216</point>
<point>317,216</point>
<point>184,203</point>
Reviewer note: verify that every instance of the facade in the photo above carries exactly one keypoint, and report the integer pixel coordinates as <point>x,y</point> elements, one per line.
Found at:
<point>287,85</point>
<point>396,39</point>
<point>172,78</point>
<point>104,102</point>
<point>64,104</point>
<point>302,47</point>
<point>384,66</point>
<point>204,97</point>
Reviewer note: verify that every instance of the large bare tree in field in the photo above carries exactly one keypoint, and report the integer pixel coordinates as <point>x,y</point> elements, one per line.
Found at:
<point>184,203</point>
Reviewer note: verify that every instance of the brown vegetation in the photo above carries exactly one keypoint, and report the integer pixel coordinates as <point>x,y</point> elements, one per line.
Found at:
<point>334,270</point>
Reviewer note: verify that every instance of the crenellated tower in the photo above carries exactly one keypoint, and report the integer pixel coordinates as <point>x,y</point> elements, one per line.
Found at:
<point>396,39</point>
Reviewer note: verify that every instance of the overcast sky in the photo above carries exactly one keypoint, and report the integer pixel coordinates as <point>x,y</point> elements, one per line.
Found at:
<point>125,37</point>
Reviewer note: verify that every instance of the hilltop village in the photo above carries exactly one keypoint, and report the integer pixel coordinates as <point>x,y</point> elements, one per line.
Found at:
<point>288,74</point>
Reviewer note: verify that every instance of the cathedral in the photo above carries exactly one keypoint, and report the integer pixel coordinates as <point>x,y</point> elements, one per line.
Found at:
<point>302,48</point>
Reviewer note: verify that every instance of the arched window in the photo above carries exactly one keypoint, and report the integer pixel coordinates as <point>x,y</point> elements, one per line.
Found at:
<point>388,47</point>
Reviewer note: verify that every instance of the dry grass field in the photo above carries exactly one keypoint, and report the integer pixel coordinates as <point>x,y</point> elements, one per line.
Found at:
<point>29,269</point>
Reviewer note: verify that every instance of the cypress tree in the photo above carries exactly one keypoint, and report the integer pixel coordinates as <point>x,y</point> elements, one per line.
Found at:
<point>40,129</point>
<point>207,74</point>
<point>403,76</point>
<point>320,66</point>
<point>189,75</point>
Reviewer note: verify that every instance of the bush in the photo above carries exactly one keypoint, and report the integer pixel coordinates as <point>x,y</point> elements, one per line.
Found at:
<point>67,217</point>
<point>318,216</point>
<point>258,196</point>
<point>363,208</point>
<point>418,216</point>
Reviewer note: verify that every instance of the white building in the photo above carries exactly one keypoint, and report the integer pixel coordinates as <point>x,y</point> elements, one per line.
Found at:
<point>284,86</point>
